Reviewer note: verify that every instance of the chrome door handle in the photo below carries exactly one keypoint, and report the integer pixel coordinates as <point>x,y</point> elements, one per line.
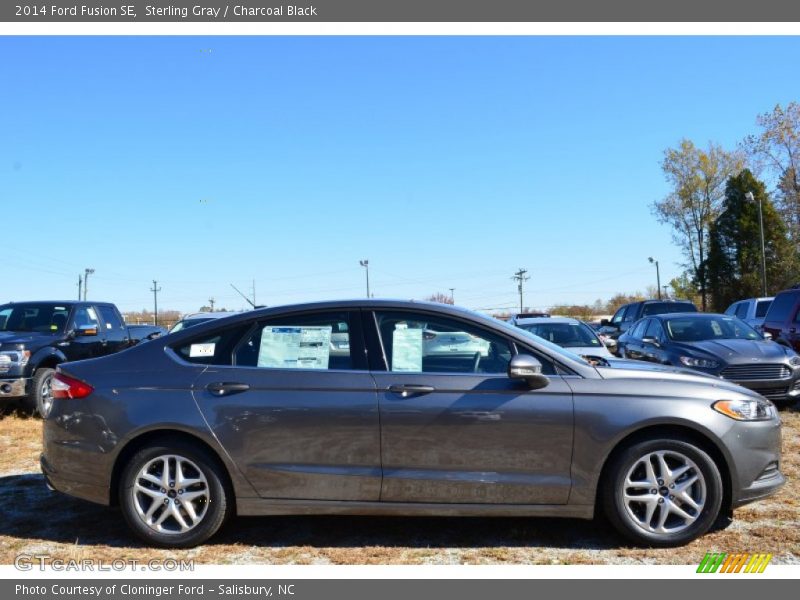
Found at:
<point>410,390</point>
<point>227,388</point>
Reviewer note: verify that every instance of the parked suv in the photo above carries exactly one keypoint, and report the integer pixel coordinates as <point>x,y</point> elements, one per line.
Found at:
<point>35,337</point>
<point>751,311</point>
<point>782,320</point>
<point>628,314</point>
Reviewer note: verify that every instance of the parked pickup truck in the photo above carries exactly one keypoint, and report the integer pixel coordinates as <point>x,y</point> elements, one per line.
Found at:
<point>37,336</point>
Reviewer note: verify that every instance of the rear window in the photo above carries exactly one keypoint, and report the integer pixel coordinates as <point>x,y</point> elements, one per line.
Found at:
<point>762,306</point>
<point>781,306</point>
<point>660,308</point>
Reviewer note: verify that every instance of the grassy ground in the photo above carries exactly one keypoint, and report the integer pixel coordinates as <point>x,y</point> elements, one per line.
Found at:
<point>35,521</point>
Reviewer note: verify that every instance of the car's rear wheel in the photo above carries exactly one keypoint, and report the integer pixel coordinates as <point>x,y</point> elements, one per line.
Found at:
<point>174,495</point>
<point>663,492</point>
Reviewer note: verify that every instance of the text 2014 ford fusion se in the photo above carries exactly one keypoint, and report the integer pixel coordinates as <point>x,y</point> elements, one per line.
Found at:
<point>261,414</point>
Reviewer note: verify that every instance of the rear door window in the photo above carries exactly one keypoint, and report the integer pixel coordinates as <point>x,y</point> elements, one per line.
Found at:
<point>741,310</point>
<point>762,306</point>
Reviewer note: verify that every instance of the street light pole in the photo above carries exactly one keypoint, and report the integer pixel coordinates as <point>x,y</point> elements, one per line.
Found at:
<point>658,276</point>
<point>86,274</point>
<point>453,295</point>
<point>365,264</point>
<point>751,198</point>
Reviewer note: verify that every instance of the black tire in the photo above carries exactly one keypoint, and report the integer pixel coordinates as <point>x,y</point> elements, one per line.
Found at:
<point>40,397</point>
<point>623,520</point>
<point>216,509</point>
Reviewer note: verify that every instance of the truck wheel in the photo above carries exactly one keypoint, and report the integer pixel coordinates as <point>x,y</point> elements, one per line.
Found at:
<point>41,398</point>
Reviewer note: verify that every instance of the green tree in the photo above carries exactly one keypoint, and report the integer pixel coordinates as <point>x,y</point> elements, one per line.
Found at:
<point>697,177</point>
<point>734,261</point>
<point>685,288</point>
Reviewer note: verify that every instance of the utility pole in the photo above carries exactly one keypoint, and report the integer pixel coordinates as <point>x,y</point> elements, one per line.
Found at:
<point>520,276</point>
<point>365,264</point>
<point>453,295</point>
<point>80,284</point>
<point>155,291</point>
<point>86,274</point>
<point>211,302</point>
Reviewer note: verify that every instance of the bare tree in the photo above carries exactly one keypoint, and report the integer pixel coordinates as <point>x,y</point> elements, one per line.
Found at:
<point>697,177</point>
<point>440,297</point>
<point>777,147</point>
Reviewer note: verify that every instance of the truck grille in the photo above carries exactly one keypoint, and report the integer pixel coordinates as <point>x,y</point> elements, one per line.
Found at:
<point>755,371</point>
<point>774,393</point>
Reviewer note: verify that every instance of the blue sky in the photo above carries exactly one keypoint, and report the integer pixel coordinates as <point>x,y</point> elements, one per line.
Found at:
<point>445,161</point>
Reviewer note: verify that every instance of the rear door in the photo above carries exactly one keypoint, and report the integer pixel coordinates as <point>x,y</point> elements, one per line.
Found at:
<point>293,403</point>
<point>455,428</point>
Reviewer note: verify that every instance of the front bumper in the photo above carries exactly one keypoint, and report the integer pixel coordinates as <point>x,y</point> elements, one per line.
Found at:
<point>756,451</point>
<point>780,390</point>
<point>13,388</point>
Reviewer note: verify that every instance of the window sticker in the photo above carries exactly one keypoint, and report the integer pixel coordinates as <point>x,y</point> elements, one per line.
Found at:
<point>406,349</point>
<point>291,347</point>
<point>201,350</point>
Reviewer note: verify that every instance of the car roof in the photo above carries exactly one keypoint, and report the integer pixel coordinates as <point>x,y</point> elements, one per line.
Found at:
<point>697,315</point>
<point>65,302</point>
<point>537,320</point>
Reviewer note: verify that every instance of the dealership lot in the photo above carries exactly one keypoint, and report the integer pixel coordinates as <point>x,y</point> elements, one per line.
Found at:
<point>36,521</point>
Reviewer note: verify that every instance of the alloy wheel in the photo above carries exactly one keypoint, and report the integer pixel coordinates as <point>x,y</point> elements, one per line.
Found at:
<point>171,494</point>
<point>664,492</point>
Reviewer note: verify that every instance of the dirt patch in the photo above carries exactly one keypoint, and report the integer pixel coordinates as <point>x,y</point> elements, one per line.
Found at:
<point>34,520</point>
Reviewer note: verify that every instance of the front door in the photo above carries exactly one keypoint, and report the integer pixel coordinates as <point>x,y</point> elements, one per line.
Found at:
<point>455,428</point>
<point>296,407</point>
<point>87,339</point>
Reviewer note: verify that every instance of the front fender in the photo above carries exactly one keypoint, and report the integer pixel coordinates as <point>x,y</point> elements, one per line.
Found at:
<point>47,355</point>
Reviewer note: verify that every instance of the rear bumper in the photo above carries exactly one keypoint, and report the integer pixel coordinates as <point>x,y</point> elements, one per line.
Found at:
<point>13,388</point>
<point>57,482</point>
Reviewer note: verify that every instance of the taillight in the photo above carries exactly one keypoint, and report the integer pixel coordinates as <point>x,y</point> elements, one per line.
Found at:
<point>65,387</point>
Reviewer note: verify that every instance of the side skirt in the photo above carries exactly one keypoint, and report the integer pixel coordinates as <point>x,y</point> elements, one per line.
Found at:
<point>263,506</point>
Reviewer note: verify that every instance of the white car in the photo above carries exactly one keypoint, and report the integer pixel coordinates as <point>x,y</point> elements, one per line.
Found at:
<point>447,342</point>
<point>572,334</point>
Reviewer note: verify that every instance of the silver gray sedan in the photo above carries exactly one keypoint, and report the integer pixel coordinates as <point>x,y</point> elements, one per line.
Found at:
<point>254,414</point>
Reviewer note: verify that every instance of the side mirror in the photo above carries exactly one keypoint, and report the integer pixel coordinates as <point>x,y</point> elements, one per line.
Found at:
<point>525,367</point>
<point>609,342</point>
<point>86,331</point>
<point>650,340</point>
<point>605,322</point>
<point>767,335</point>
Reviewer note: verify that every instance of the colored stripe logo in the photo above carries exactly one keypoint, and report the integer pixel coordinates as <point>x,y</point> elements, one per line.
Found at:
<point>720,562</point>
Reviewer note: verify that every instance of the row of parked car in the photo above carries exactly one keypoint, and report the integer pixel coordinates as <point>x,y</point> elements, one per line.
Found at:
<point>753,343</point>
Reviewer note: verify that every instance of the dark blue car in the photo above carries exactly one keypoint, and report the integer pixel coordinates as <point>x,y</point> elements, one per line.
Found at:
<point>720,345</point>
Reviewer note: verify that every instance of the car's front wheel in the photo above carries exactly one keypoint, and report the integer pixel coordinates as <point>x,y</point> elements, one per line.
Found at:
<point>41,399</point>
<point>173,494</point>
<point>663,492</point>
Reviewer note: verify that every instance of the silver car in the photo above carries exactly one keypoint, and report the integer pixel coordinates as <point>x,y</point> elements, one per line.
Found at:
<point>254,414</point>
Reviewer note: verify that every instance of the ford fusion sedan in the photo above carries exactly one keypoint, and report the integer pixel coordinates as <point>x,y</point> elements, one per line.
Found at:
<point>572,334</point>
<point>718,345</point>
<point>254,414</point>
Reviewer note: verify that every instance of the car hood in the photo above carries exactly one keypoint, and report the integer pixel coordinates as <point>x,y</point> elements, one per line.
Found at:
<point>638,370</point>
<point>31,341</point>
<point>737,351</point>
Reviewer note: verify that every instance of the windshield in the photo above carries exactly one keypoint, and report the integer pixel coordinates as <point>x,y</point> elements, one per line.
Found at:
<point>693,329</point>
<point>661,308</point>
<point>566,335</point>
<point>185,323</point>
<point>34,317</point>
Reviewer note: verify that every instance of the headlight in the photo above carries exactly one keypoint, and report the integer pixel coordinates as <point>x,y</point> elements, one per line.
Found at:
<point>703,363</point>
<point>745,410</point>
<point>795,361</point>
<point>16,357</point>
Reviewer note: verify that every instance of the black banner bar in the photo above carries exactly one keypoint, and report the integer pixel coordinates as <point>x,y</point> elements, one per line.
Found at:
<point>401,11</point>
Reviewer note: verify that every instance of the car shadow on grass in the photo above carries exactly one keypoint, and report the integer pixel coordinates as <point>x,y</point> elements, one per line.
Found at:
<point>32,512</point>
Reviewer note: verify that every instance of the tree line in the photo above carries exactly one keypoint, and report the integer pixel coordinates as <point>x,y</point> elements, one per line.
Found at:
<point>713,210</point>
